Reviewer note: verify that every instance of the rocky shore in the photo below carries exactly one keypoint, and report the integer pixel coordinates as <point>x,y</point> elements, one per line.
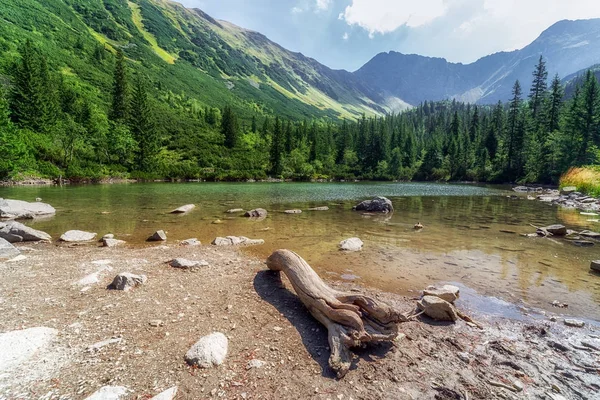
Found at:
<point>567,197</point>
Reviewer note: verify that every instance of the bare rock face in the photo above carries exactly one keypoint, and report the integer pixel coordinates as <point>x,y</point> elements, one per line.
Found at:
<point>184,209</point>
<point>437,308</point>
<point>352,244</point>
<point>158,236</point>
<point>127,281</point>
<point>210,351</point>
<point>378,204</point>
<point>447,292</point>
<point>256,213</point>
<point>236,241</point>
<point>78,236</point>
<point>16,232</point>
<point>7,250</point>
<point>17,209</point>
<point>187,264</point>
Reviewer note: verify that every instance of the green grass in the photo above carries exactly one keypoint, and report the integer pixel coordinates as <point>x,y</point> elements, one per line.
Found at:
<point>585,179</point>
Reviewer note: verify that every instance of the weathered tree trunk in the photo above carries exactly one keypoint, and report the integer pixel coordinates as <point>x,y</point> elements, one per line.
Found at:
<point>351,319</point>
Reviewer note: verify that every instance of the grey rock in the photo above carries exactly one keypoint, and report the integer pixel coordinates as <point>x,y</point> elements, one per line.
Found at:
<point>187,264</point>
<point>352,244</point>
<point>109,393</point>
<point>77,236</point>
<point>464,357</point>
<point>17,209</point>
<point>595,265</point>
<point>590,234</point>
<point>184,209</point>
<point>158,236</point>
<point>557,230</point>
<point>168,394</point>
<point>15,232</point>
<point>321,208</point>
<point>126,281</point>
<point>235,211</point>
<point>19,347</point>
<point>209,351</point>
<point>449,293</point>
<point>96,347</point>
<point>7,250</point>
<point>112,242</point>
<point>108,236</point>
<point>437,308</point>
<point>191,242</point>
<point>378,204</point>
<point>292,212</point>
<point>236,241</point>
<point>256,213</point>
<point>255,363</point>
<point>574,323</point>
<point>568,190</point>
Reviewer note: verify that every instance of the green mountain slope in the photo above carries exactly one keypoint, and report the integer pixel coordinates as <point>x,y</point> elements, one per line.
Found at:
<point>183,51</point>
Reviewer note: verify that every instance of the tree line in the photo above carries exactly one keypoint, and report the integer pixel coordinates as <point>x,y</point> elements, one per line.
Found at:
<point>51,127</point>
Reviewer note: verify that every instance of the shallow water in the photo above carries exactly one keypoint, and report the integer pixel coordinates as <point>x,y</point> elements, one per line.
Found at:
<point>463,239</point>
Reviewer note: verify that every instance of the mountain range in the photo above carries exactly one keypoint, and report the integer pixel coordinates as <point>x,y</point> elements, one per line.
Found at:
<point>217,63</point>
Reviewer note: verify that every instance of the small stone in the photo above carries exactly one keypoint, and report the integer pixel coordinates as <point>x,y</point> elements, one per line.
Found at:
<point>568,190</point>
<point>235,211</point>
<point>18,258</point>
<point>158,236</point>
<point>256,213</point>
<point>183,209</point>
<point>557,230</point>
<point>77,236</point>
<point>187,264</point>
<point>168,394</point>
<point>277,328</point>
<point>236,241</point>
<point>156,323</point>
<point>321,208</point>
<point>518,385</point>
<point>209,351</point>
<point>464,357</point>
<point>109,393</point>
<point>108,236</point>
<point>191,242</point>
<point>217,222</point>
<point>574,323</point>
<point>126,281</point>
<point>255,364</point>
<point>447,292</point>
<point>437,308</point>
<point>352,244</point>
<point>112,242</point>
<point>292,212</point>
<point>7,250</point>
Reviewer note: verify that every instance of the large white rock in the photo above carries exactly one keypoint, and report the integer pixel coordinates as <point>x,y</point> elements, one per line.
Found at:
<point>183,209</point>
<point>447,292</point>
<point>168,394</point>
<point>17,347</point>
<point>7,250</point>
<point>236,241</point>
<point>378,204</point>
<point>437,308</point>
<point>15,232</point>
<point>209,351</point>
<point>352,244</point>
<point>109,393</point>
<point>78,236</point>
<point>17,209</point>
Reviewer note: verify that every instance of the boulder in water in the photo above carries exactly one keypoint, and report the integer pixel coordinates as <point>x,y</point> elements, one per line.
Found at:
<point>557,230</point>
<point>256,213</point>
<point>437,308</point>
<point>352,244</point>
<point>158,236</point>
<point>378,204</point>
<point>17,209</point>
<point>449,293</point>
<point>77,236</point>
<point>568,190</point>
<point>16,232</point>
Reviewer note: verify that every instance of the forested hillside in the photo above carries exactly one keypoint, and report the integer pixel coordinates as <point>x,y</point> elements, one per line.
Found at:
<point>98,89</point>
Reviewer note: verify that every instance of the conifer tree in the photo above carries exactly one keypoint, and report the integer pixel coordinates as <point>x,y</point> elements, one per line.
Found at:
<point>538,89</point>
<point>229,127</point>
<point>142,127</point>
<point>277,147</point>
<point>120,101</point>
<point>514,139</point>
<point>554,105</point>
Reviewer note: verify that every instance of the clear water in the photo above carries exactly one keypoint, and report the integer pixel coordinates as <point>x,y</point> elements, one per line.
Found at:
<point>463,239</point>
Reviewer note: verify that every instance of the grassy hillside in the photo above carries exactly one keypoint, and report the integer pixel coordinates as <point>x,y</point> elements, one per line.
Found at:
<point>183,51</point>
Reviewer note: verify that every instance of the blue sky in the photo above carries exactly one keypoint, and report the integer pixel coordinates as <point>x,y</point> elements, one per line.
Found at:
<point>347,33</point>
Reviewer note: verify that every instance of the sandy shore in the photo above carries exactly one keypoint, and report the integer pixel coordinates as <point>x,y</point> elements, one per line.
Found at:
<point>149,329</point>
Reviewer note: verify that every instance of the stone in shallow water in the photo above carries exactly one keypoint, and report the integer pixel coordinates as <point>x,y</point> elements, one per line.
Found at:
<point>210,351</point>
<point>235,210</point>
<point>292,212</point>
<point>352,244</point>
<point>437,308</point>
<point>17,209</point>
<point>574,323</point>
<point>449,293</point>
<point>183,209</point>
<point>378,204</point>
<point>557,230</point>
<point>256,213</point>
<point>321,208</point>
<point>236,241</point>
<point>158,236</point>
<point>191,242</point>
<point>15,232</point>
<point>77,236</point>
<point>112,242</point>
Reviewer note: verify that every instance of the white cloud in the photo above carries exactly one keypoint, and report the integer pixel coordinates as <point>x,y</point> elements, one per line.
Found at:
<point>346,36</point>
<point>297,10</point>
<point>383,16</point>
<point>322,5</point>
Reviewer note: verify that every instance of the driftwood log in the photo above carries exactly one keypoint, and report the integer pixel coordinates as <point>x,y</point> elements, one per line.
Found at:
<point>351,319</point>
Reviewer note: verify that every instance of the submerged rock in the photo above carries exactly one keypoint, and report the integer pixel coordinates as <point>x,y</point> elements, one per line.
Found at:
<point>437,308</point>
<point>235,211</point>
<point>158,236</point>
<point>378,204</point>
<point>236,241</point>
<point>448,293</point>
<point>127,281</point>
<point>590,234</point>
<point>184,209</point>
<point>187,264</point>
<point>17,209</point>
<point>557,230</point>
<point>15,232</point>
<point>77,236</point>
<point>352,244</point>
<point>256,213</point>
<point>190,242</point>
<point>210,351</point>
<point>321,208</point>
<point>7,250</point>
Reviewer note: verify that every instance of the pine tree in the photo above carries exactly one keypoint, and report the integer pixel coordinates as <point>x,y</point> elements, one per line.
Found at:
<point>538,89</point>
<point>554,105</point>
<point>229,128</point>
<point>514,138</point>
<point>277,149</point>
<point>118,110</point>
<point>142,126</point>
<point>589,119</point>
<point>253,127</point>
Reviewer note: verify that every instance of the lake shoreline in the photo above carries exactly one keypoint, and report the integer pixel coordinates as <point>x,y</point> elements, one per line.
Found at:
<point>150,328</point>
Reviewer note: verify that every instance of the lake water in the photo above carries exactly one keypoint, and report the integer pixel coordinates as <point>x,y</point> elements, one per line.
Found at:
<point>465,239</point>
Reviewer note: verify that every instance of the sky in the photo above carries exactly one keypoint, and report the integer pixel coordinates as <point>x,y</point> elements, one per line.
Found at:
<point>345,34</point>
